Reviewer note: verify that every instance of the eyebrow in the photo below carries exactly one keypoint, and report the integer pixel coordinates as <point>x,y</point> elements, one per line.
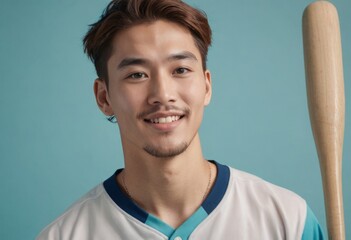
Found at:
<point>131,61</point>
<point>181,56</point>
<point>142,61</point>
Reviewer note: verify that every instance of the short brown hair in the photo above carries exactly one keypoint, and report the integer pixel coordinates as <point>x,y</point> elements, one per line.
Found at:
<point>122,14</point>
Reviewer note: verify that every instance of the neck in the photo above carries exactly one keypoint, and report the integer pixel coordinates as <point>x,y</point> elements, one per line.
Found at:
<point>171,189</point>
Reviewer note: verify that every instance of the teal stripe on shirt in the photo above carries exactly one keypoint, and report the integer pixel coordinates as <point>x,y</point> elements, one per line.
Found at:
<point>312,230</point>
<point>159,225</point>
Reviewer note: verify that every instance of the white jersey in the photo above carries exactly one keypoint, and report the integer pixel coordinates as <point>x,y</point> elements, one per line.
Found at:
<point>239,206</point>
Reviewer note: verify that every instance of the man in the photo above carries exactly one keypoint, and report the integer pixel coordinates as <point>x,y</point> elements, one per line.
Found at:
<point>150,58</point>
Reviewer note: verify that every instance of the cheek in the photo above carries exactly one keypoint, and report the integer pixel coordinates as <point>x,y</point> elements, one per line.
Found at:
<point>127,103</point>
<point>195,91</point>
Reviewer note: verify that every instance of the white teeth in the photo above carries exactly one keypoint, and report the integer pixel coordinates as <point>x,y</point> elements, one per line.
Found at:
<point>168,119</point>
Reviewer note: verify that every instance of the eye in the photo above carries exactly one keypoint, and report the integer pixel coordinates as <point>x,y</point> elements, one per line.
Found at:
<point>181,70</point>
<point>138,75</point>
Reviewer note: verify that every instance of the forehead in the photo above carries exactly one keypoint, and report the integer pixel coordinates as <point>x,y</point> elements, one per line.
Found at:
<point>153,40</point>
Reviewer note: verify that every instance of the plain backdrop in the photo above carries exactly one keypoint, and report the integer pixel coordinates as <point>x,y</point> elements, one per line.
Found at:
<point>55,144</point>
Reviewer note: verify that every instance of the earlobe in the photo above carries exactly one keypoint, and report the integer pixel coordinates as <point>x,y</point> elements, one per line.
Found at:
<point>208,87</point>
<point>102,98</point>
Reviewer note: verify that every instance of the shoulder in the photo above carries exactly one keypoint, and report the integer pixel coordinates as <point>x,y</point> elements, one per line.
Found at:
<point>269,202</point>
<point>250,184</point>
<point>76,213</point>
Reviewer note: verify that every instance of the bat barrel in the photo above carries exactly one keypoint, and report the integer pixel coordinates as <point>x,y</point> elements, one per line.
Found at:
<point>326,104</point>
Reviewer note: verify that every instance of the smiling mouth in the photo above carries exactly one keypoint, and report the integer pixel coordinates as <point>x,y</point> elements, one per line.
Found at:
<point>163,120</point>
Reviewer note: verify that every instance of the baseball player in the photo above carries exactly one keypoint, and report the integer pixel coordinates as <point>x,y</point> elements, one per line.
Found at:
<point>150,59</point>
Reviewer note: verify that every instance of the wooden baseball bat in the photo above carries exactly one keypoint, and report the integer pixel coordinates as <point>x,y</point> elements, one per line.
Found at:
<point>326,104</point>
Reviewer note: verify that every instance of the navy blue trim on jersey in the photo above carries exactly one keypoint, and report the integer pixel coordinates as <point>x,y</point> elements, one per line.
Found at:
<point>219,188</point>
<point>122,200</point>
<point>210,203</point>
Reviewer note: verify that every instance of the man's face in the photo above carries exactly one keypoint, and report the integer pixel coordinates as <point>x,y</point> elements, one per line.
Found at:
<point>157,88</point>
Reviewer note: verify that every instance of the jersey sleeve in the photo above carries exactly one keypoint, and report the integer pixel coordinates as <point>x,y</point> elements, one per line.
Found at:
<point>312,229</point>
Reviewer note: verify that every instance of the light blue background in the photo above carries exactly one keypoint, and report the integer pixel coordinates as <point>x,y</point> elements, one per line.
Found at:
<point>55,144</point>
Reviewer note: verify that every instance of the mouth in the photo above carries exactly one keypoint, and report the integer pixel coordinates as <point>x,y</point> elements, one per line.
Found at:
<point>164,120</point>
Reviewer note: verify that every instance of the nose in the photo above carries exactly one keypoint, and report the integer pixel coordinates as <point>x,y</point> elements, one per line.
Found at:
<point>162,90</point>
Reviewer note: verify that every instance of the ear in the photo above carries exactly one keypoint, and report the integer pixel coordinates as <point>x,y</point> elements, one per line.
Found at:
<point>208,87</point>
<point>102,97</point>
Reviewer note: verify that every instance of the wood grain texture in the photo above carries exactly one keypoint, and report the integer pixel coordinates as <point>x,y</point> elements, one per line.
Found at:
<point>326,103</point>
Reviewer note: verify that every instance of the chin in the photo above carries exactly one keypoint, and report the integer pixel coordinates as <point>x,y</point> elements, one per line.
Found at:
<point>159,152</point>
